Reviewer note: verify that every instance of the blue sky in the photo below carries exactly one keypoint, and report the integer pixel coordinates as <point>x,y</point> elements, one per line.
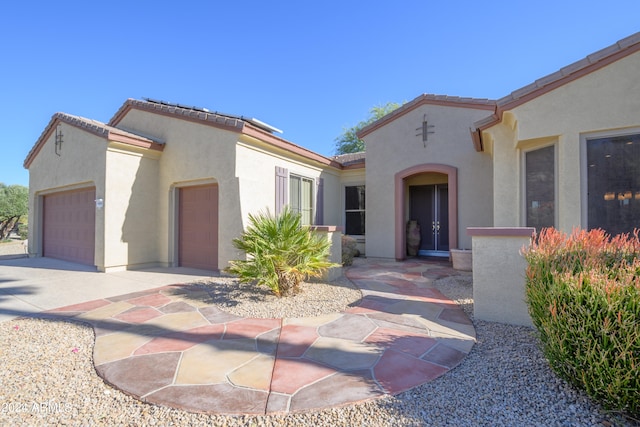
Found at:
<point>308,68</point>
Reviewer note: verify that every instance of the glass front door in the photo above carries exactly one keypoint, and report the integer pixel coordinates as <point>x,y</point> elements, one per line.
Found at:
<point>429,205</point>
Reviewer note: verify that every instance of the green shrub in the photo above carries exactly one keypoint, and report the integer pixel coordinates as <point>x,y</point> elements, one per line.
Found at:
<point>23,231</point>
<point>349,250</point>
<point>281,252</point>
<point>583,293</point>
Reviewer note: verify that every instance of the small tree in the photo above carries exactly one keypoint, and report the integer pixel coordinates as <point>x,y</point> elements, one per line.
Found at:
<point>281,252</point>
<point>14,203</point>
<point>349,142</point>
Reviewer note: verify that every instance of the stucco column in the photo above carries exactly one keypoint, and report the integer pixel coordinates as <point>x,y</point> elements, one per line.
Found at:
<point>334,235</point>
<point>499,274</point>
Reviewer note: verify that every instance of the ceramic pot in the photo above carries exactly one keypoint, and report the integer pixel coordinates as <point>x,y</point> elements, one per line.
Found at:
<point>413,238</point>
<point>462,259</point>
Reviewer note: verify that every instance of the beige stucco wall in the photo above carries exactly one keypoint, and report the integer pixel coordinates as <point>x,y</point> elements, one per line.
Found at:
<point>243,168</point>
<point>499,277</point>
<point>137,225</point>
<point>605,102</point>
<point>395,147</point>
<point>130,197</point>
<point>255,168</point>
<point>194,154</point>
<point>79,165</point>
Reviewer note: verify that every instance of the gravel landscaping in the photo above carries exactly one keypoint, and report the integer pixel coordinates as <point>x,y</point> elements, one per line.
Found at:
<point>48,378</point>
<point>314,299</point>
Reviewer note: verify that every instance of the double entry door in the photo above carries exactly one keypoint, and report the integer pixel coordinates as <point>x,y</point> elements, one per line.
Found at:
<point>429,205</point>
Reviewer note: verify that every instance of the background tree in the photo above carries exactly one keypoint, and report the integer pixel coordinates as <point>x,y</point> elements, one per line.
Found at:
<point>349,142</point>
<point>14,203</point>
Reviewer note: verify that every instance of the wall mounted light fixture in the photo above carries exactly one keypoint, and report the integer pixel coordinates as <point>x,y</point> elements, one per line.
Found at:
<point>58,140</point>
<point>99,203</point>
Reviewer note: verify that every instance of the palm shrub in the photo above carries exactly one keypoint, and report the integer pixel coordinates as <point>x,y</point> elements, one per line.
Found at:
<point>583,294</point>
<point>280,252</point>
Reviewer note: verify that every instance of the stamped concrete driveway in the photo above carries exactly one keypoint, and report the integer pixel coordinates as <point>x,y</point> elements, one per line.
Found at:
<point>32,285</point>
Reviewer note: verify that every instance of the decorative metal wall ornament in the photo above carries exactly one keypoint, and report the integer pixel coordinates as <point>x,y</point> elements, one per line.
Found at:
<point>58,140</point>
<point>424,131</point>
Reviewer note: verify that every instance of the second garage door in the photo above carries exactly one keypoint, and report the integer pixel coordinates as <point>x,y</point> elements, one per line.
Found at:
<point>198,227</point>
<point>69,220</point>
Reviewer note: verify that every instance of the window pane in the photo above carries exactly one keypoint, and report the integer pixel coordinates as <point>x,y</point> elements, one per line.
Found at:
<point>294,193</point>
<point>306,206</point>
<point>354,197</point>
<point>354,207</point>
<point>540,187</point>
<point>354,223</point>
<point>613,184</point>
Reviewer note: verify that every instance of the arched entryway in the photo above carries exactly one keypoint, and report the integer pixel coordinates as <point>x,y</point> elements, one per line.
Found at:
<point>441,186</point>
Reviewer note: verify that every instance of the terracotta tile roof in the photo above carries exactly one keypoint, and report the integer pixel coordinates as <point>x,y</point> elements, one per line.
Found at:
<point>444,100</point>
<point>589,64</point>
<point>350,159</point>
<point>95,127</point>
<point>99,128</point>
<point>243,125</point>
<point>222,120</point>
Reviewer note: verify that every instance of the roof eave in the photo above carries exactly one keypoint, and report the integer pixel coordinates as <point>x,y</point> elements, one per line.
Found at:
<point>360,164</point>
<point>237,125</point>
<point>571,72</point>
<point>427,99</point>
<point>212,119</point>
<point>93,128</point>
<point>266,137</point>
<point>114,135</point>
<point>476,137</point>
<point>46,133</point>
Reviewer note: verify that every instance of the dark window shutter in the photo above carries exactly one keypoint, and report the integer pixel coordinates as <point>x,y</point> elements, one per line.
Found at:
<point>282,174</point>
<point>320,202</point>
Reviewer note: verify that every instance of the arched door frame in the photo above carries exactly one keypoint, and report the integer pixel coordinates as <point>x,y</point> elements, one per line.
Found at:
<point>400,203</point>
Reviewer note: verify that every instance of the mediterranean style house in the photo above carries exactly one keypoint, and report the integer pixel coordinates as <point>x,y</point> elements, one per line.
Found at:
<point>166,184</point>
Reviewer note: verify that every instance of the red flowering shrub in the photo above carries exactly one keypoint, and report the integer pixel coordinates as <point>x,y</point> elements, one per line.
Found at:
<point>583,293</point>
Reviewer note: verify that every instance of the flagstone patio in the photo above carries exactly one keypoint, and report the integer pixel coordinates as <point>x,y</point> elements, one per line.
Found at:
<point>170,346</point>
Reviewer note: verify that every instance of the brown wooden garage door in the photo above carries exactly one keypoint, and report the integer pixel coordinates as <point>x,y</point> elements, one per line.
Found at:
<point>198,227</point>
<point>69,226</point>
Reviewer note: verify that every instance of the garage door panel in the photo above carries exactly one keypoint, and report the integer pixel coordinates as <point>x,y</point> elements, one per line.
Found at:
<point>69,226</point>
<point>198,227</point>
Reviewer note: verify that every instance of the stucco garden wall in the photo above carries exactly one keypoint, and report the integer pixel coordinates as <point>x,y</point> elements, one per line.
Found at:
<point>604,102</point>
<point>499,274</point>
<point>80,164</point>
<point>395,147</point>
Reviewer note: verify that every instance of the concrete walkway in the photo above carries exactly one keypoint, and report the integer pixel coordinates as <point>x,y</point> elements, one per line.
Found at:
<point>32,285</point>
<point>169,346</point>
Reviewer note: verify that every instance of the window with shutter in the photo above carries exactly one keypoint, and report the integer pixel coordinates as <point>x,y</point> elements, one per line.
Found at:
<point>301,197</point>
<point>282,193</point>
